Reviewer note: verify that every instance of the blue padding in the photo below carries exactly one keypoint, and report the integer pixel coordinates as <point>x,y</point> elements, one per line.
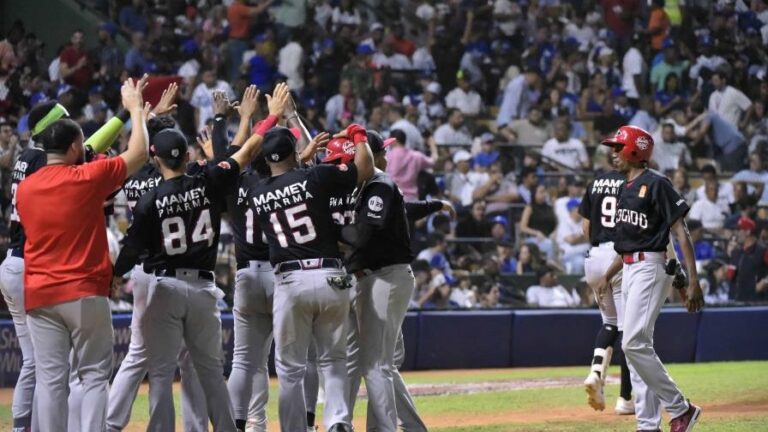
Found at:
<point>554,337</point>
<point>454,340</point>
<point>411,339</point>
<point>733,334</point>
<point>675,335</point>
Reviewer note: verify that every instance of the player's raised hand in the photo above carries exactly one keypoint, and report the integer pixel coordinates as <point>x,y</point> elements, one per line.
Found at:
<point>354,132</point>
<point>250,102</point>
<point>278,100</point>
<point>314,145</point>
<point>694,300</point>
<point>131,94</point>
<point>205,141</point>
<point>166,103</point>
<point>220,102</point>
<point>147,109</point>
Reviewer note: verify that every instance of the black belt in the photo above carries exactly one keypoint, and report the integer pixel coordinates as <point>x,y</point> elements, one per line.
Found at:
<point>201,274</point>
<point>17,252</point>
<point>245,264</point>
<point>308,264</point>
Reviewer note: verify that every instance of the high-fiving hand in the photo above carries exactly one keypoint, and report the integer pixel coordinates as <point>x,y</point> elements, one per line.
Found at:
<point>131,93</point>
<point>278,100</point>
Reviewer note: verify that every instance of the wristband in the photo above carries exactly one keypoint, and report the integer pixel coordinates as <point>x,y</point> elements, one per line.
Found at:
<point>266,124</point>
<point>359,136</point>
<point>124,115</point>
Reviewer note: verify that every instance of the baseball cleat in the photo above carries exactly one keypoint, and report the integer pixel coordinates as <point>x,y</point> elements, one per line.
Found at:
<point>687,421</point>
<point>341,427</point>
<point>593,385</point>
<point>624,407</point>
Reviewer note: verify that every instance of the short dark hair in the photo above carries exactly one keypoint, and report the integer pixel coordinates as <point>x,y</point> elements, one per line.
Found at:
<point>398,109</point>
<point>720,73</point>
<point>59,136</point>
<point>451,111</point>
<point>709,169</point>
<point>156,124</point>
<point>398,134</point>
<point>435,239</point>
<point>526,171</point>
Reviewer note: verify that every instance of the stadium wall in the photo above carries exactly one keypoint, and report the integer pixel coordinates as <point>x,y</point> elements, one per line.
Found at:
<point>511,338</point>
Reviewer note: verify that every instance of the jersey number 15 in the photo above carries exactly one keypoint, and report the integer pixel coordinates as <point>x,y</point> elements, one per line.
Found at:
<point>297,223</point>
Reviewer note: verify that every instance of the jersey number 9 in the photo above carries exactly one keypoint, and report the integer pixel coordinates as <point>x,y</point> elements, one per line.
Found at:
<point>175,233</point>
<point>609,212</point>
<point>296,223</point>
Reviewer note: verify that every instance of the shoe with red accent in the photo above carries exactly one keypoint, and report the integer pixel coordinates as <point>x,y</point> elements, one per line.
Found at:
<point>687,421</point>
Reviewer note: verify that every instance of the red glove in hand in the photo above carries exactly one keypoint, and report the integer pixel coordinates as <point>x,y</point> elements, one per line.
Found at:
<point>356,133</point>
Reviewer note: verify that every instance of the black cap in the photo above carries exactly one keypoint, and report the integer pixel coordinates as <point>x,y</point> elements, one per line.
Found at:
<point>543,270</point>
<point>278,144</point>
<point>169,144</point>
<point>376,142</point>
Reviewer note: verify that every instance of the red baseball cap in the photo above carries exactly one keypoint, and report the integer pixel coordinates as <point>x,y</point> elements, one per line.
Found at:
<point>747,224</point>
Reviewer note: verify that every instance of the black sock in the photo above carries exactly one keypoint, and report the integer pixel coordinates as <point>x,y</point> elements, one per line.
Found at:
<point>310,419</point>
<point>605,338</point>
<point>626,384</point>
<point>240,424</point>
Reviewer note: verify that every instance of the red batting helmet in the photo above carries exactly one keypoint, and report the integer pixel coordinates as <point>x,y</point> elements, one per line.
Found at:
<point>637,143</point>
<point>339,150</point>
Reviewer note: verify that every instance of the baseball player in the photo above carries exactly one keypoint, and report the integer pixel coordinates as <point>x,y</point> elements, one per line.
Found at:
<point>648,208</point>
<point>310,299</point>
<point>12,268</point>
<point>178,223</point>
<point>133,368</point>
<point>380,260</point>
<point>599,205</point>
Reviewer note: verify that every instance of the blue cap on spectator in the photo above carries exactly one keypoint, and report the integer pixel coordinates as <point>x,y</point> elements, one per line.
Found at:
<point>97,89</point>
<point>189,46</point>
<point>23,125</point>
<point>365,49</point>
<point>571,42</point>
<point>63,88</point>
<point>109,27</point>
<point>572,203</point>
<point>667,43</point>
<point>37,98</point>
<point>706,39</point>
<point>310,103</point>
<point>326,43</point>
<point>261,37</point>
<point>500,220</point>
<point>618,91</point>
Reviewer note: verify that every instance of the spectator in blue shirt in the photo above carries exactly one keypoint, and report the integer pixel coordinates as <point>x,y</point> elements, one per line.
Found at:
<point>132,17</point>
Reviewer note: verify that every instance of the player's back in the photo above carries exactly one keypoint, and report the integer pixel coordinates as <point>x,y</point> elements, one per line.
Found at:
<point>249,239</point>
<point>294,211</point>
<point>29,161</point>
<point>599,206</point>
<point>184,220</point>
<point>146,179</point>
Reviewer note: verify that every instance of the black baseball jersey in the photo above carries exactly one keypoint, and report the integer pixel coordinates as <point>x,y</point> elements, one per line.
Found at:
<point>599,206</point>
<point>178,222</point>
<point>146,179</point>
<point>648,207</point>
<point>342,209</point>
<point>250,244</point>
<point>381,206</point>
<point>29,161</point>
<point>294,211</point>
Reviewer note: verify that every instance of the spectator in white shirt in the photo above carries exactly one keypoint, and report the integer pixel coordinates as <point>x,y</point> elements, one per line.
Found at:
<point>345,14</point>
<point>575,189</point>
<point>453,132</point>
<point>202,96</point>
<point>725,195</point>
<point>668,152</point>
<point>389,59</point>
<point>580,30</point>
<point>464,97</point>
<point>756,178</point>
<point>548,293</point>
<point>633,69</point>
<point>461,183</point>
<point>431,107</point>
<point>707,211</point>
<point>726,100</point>
<point>570,238</point>
<point>706,59</point>
<point>569,152</point>
<point>520,95</point>
<point>289,63</point>
<point>345,101</point>
<point>413,138</point>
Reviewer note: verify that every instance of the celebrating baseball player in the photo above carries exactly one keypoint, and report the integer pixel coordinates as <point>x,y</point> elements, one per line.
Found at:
<point>648,208</point>
<point>178,222</point>
<point>310,299</point>
<point>598,210</point>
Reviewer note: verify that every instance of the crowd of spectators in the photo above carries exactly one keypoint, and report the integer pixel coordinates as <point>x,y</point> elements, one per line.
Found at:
<point>495,105</point>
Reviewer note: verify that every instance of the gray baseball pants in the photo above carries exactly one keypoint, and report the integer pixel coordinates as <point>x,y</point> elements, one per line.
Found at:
<point>133,369</point>
<point>83,327</point>
<point>248,383</point>
<point>307,306</point>
<point>12,287</point>
<point>645,287</point>
<point>183,309</point>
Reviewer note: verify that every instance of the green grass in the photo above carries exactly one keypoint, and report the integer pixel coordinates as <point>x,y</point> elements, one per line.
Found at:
<point>712,385</point>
